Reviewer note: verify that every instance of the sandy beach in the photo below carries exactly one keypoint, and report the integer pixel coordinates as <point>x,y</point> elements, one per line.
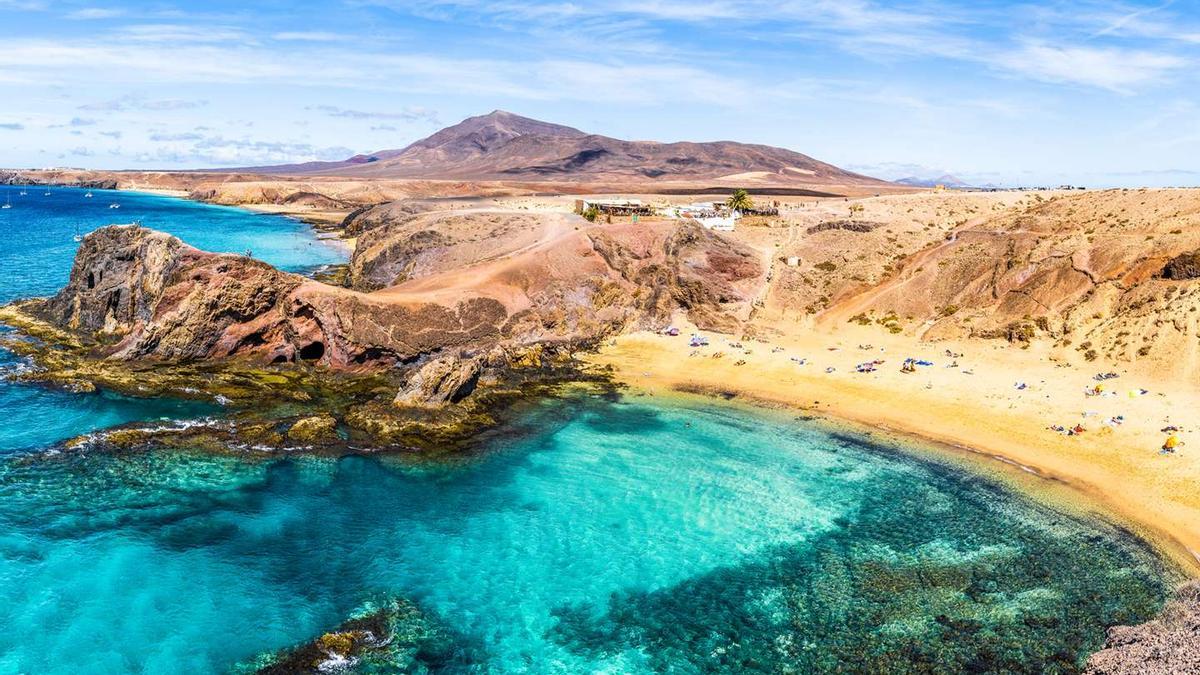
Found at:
<point>976,406</point>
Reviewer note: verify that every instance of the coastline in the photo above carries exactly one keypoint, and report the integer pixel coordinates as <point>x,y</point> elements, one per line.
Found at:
<point>1118,473</point>
<point>322,222</point>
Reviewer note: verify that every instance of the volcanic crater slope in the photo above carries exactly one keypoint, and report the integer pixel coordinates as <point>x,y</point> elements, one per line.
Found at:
<point>505,146</point>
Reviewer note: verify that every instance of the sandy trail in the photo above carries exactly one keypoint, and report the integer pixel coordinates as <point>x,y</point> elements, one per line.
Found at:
<point>974,406</point>
<point>500,276</point>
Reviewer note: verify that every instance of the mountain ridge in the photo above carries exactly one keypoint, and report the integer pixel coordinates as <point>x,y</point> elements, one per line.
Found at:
<point>505,146</point>
<point>946,180</point>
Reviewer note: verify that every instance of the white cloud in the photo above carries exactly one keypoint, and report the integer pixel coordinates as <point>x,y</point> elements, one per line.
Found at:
<point>215,151</point>
<point>407,113</point>
<point>309,36</point>
<point>92,13</point>
<point>1114,69</point>
<point>178,34</point>
<point>81,62</point>
<point>132,102</point>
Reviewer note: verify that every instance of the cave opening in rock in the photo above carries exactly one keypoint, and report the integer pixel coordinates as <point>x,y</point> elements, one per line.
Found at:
<point>312,351</point>
<point>91,280</point>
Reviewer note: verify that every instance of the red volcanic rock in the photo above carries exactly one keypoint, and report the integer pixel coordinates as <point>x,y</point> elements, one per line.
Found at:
<point>155,297</point>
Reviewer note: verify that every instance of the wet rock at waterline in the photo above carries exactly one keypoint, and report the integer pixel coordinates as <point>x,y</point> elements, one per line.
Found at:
<point>1167,645</point>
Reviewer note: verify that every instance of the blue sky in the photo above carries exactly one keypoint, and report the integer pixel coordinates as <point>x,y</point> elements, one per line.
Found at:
<point>1096,93</point>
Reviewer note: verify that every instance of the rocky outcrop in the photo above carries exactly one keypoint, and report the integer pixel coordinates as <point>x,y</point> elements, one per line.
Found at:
<point>35,178</point>
<point>1182,267</point>
<point>144,312</point>
<point>395,262</point>
<point>147,295</point>
<point>372,216</point>
<point>401,241</point>
<point>444,380</point>
<point>314,429</point>
<point>1168,645</point>
<point>392,636</point>
<point>710,276</point>
<point>167,299</point>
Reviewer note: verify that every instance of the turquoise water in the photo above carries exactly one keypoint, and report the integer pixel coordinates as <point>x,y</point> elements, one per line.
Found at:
<point>38,244</point>
<point>606,537</point>
<point>37,248</point>
<point>597,535</point>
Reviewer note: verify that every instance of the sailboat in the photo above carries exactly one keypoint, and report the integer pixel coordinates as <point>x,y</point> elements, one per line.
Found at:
<point>89,193</point>
<point>7,201</point>
<point>23,192</point>
<point>77,237</point>
<point>46,193</point>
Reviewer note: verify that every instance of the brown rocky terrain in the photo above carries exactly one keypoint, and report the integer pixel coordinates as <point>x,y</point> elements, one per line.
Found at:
<point>449,305</point>
<point>1168,645</point>
<point>1099,274</point>
<point>504,146</point>
<point>154,297</point>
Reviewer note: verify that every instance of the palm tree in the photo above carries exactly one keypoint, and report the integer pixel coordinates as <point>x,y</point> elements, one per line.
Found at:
<point>739,201</point>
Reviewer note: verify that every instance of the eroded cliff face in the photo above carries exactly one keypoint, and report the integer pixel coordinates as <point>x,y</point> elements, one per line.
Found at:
<point>492,294</point>
<point>150,296</point>
<point>711,277</point>
<point>562,272</point>
<point>1106,274</point>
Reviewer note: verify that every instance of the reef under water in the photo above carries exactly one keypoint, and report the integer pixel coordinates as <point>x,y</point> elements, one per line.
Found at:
<point>598,534</point>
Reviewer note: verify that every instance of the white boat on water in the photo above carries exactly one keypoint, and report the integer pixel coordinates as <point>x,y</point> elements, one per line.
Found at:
<point>114,205</point>
<point>89,194</point>
<point>7,201</point>
<point>22,192</point>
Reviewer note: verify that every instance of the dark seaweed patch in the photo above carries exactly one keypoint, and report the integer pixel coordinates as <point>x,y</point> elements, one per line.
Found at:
<point>939,579</point>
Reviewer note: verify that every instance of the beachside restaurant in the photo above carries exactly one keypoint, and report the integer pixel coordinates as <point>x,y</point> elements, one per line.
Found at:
<point>614,207</point>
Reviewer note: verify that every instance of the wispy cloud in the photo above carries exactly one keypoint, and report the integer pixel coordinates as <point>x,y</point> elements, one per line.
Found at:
<point>186,136</point>
<point>181,34</point>
<point>407,114</point>
<point>93,13</point>
<point>218,151</point>
<point>11,126</point>
<point>557,79</point>
<point>1114,69</point>
<point>133,102</point>
<point>309,36</point>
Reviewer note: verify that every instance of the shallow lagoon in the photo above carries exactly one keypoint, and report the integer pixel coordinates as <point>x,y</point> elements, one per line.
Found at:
<point>606,536</point>
<point>37,248</point>
<point>597,536</point>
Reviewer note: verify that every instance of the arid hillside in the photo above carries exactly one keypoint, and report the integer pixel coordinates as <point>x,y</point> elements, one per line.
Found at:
<point>1096,275</point>
<point>504,146</point>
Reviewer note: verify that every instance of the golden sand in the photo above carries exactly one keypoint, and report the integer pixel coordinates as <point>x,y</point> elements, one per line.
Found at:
<point>975,406</point>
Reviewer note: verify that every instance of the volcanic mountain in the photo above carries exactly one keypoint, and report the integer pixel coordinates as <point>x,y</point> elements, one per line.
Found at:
<point>504,146</point>
<point>946,180</point>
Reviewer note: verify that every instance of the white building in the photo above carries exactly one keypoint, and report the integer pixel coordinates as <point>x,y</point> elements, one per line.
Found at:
<point>710,215</point>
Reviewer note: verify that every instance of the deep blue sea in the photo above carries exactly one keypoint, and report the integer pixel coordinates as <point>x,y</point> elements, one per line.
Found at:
<point>599,535</point>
